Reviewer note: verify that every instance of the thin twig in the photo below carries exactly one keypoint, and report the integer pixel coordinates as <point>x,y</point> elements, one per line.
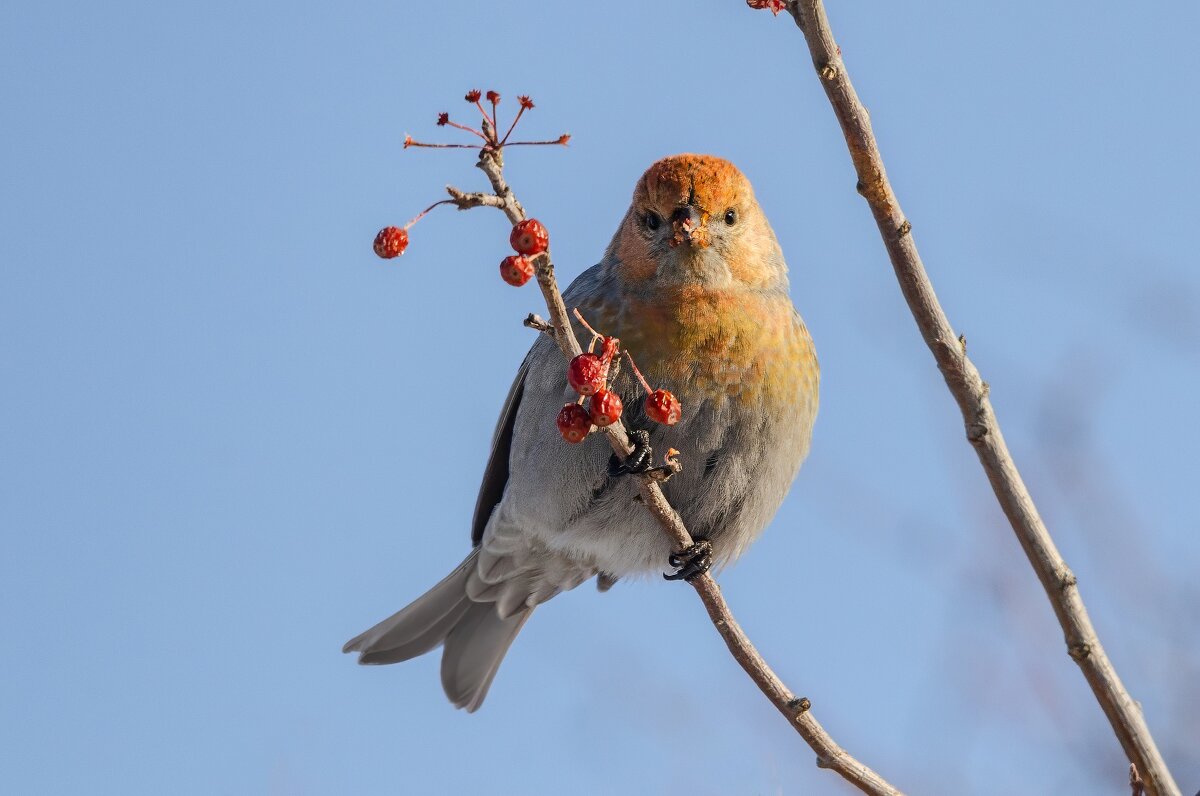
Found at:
<point>795,710</point>
<point>971,393</point>
<point>1136,786</point>
<point>470,130</point>
<point>535,321</point>
<point>408,141</point>
<point>465,201</point>
<point>562,139</point>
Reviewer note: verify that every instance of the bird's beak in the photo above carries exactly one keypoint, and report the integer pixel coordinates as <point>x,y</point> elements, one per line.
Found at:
<point>689,227</point>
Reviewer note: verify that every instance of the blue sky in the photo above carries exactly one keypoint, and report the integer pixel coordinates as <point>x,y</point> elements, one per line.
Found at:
<point>231,438</point>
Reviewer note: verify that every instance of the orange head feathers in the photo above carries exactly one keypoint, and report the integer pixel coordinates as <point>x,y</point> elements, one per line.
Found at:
<point>694,221</point>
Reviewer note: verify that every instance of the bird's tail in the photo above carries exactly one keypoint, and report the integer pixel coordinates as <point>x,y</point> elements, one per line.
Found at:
<point>474,635</point>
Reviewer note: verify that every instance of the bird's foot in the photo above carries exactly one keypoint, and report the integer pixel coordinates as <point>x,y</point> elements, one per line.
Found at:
<point>638,461</point>
<point>691,562</point>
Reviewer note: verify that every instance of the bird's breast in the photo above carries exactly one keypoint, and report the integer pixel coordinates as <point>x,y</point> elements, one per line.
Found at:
<point>738,345</point>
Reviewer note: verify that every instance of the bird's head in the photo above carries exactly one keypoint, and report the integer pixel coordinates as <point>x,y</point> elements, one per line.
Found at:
<point>694,221</point>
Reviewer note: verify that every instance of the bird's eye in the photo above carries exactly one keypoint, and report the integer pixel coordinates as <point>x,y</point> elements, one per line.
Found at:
<point>731,216</point>
<point>651,220</point>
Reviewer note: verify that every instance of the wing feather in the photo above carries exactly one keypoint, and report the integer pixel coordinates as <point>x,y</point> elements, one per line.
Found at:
<point>495,475</point>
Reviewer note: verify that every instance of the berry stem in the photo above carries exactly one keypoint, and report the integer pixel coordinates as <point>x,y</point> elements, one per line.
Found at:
<point>638,373</point>
<point>511,127</point>
<point>421,215</point>
<point>559,140</point>
<point>470,130</point>
<point>595,335</point>
<point>486,118</point>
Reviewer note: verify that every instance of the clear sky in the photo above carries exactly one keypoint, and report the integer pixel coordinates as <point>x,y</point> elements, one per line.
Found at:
<point>231,438</point>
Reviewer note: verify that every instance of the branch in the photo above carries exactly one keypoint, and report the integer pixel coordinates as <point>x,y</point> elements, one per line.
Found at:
<point>971,393</point>
<point>795,710</point>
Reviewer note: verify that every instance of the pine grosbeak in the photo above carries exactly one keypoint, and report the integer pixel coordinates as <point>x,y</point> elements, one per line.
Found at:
<point>695,286</point>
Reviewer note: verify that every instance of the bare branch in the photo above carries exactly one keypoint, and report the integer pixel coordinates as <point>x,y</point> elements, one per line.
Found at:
<point>795,710</point>
<point>971,393</point>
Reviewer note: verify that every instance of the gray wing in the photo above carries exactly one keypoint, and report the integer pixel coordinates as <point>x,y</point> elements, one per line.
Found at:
<point>495,475</point>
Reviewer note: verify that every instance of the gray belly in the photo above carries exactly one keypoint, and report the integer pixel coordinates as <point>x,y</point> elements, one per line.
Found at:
<point>739,460</point>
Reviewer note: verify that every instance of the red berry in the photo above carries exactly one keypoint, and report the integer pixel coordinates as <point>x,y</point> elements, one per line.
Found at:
<point>529,237</point>
<point>605,408</point>
<point>585,374</point>
<point>663,407</point>
<point>775,6</point>
<point>573,423</point>
<point>516,270</point>
<point>391,242</point>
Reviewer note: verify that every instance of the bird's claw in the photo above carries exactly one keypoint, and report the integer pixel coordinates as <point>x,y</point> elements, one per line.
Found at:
<point>691,562</point>
<point>638,461</point>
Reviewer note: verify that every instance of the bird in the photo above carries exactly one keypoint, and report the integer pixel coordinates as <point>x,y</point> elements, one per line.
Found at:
<point>695,286</point>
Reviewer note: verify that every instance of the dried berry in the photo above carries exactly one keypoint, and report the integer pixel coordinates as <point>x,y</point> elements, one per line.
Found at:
<point>529,237</point>
<point>516,269</point>
<point>391,242</point>
<point>605,408</point>
<point>585,374</point>
<point>573,423</point>
<point>663,407</point>
<point>775,6</point>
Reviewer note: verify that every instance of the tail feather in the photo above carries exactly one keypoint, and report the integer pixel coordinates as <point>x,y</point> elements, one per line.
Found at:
<point>426,615</point>
<point>475,635</point>
<point>474,650</point>
<point>420,644</point>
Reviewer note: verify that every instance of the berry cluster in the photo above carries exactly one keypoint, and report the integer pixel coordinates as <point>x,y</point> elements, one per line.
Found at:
<point>529,238</point>
<point>588,375</point>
